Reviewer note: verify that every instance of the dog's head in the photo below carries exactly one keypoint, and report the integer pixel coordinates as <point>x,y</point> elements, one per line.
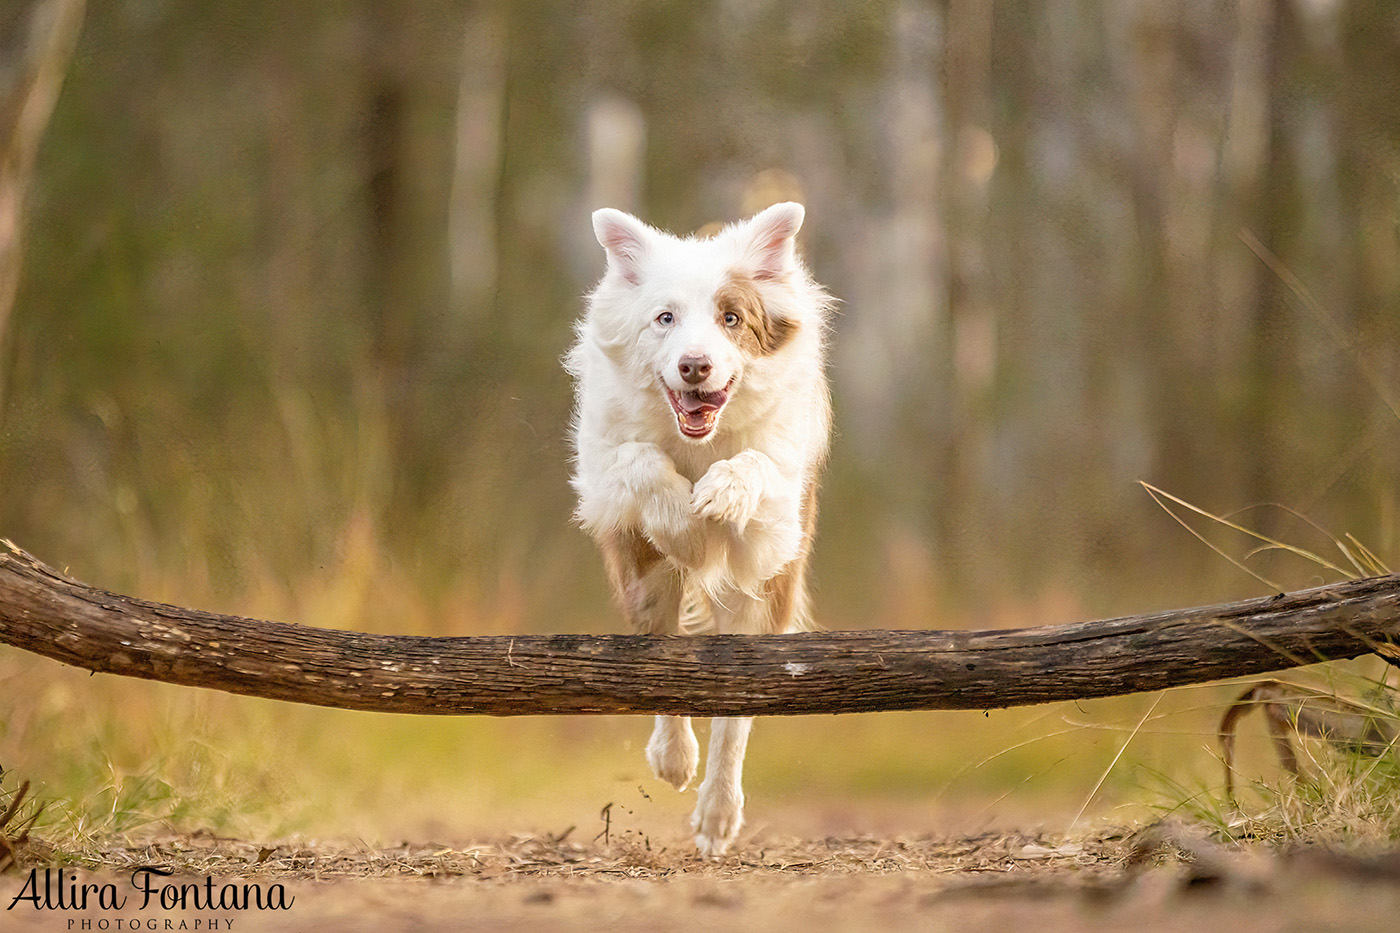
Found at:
<point>693,317</point>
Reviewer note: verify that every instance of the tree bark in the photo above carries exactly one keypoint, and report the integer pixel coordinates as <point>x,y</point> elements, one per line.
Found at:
<point>50,614</point>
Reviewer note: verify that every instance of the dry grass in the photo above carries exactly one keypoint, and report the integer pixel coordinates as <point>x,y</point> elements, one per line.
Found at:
<point>1164,877</point>
<point>523,856</point>
<point>1336,788</point>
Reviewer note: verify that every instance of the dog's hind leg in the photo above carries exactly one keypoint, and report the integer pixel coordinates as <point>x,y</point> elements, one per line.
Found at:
<point>719,811</point>
<point>648,590</point>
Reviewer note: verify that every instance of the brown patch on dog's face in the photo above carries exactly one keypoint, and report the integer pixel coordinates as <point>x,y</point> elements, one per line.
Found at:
<point>740,311</point>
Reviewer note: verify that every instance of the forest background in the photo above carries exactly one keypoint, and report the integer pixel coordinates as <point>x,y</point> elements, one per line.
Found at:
<point>296,280</point>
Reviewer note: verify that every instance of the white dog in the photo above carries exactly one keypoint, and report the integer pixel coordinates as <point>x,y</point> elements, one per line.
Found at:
<point>701,425</point>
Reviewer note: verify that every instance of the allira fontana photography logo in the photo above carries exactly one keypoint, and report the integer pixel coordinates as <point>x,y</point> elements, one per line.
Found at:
<point>147,899</point>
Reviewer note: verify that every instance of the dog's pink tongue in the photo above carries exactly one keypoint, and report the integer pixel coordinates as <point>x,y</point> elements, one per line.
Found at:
<point>700,402</point>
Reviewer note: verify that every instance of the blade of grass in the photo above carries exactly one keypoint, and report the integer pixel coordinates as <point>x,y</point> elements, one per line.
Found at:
<point>1158,494</point>
<point>1334,330</point>
<point>1336,542</point>
<point>1373,565</point>
<point>1116,758</point>
<point>1154,493</point>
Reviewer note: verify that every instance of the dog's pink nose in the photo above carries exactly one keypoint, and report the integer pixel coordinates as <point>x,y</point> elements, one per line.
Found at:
<point>695,369</point>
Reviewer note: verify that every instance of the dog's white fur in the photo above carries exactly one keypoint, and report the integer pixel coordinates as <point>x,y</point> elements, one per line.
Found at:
<point>700,491</point>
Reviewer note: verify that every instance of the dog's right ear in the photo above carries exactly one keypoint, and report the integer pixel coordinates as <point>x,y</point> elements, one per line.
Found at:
<point>625,239</point>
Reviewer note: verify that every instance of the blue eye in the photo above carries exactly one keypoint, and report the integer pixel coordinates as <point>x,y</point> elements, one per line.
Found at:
<point>665,318</point>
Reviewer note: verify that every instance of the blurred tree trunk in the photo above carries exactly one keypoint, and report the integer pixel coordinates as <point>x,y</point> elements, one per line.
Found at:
<point>1272,354</point>
<point>1366,83</point>
<point>36,41</point>
<point>407,98</point>
<point>966,173</point>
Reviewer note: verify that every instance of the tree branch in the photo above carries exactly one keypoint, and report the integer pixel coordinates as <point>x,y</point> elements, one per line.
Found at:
<point>50,614</point>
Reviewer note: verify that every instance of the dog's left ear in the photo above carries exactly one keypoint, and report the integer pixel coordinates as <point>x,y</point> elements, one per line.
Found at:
<point>772,249</point>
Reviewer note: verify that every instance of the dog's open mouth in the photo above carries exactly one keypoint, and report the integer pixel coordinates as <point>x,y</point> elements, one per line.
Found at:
<point>696,412</point>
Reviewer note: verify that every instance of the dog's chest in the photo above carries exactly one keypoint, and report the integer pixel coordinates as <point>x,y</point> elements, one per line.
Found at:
<point>694,460</point>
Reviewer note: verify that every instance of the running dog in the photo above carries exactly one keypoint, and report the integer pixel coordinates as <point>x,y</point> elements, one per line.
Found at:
<point>701,423</point>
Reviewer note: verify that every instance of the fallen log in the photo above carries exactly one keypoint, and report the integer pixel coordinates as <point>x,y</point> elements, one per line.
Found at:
<point>46,612</point>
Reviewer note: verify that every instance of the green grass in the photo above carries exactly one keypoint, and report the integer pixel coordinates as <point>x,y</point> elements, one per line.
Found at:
<point>1345,794</point>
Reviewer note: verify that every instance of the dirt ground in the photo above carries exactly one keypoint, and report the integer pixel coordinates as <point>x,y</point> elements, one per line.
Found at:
<point>1165,877</point>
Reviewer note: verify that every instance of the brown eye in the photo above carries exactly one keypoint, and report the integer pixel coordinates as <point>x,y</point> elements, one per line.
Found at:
<point>731,319</point>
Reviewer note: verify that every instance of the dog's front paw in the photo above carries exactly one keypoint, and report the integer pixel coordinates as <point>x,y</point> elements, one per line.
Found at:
<point>718,817</point>
<point>673,752</point>
<point>669,521</point>
<point>727,493</point>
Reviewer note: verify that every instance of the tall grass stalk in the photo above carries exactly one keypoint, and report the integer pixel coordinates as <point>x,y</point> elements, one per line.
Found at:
<point>1347,794</point>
